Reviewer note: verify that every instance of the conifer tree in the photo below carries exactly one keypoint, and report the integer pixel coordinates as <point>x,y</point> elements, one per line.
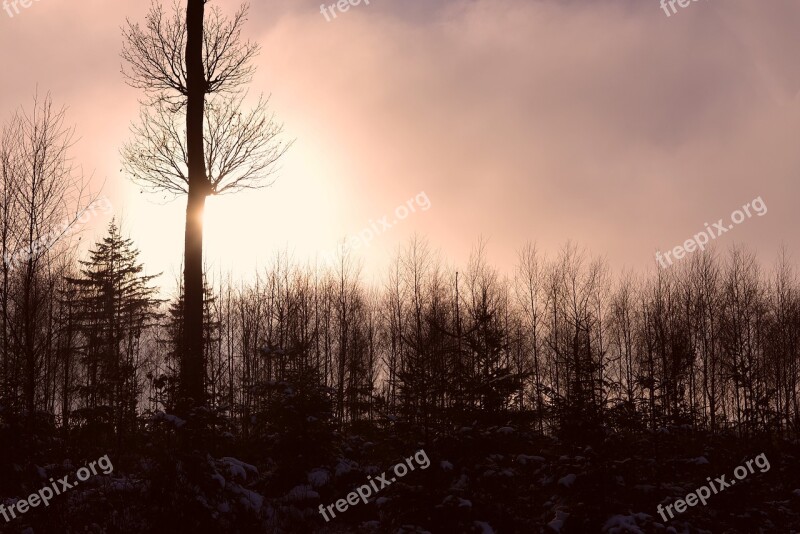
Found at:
<point>166,380</point>
<point>113,304</point>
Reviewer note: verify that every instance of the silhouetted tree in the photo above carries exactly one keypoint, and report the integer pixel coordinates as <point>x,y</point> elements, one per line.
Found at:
<point>113,305</point>
<point>193,137</point>
<point>43,195</point>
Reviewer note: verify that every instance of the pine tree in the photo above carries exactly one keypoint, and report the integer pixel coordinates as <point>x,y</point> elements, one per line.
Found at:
<point>113,304</point>
<point>166,381</point>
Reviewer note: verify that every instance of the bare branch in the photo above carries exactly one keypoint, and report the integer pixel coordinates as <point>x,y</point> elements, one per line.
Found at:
<point>41,186</point>
<point>155,61</point>
<point>242,148</point>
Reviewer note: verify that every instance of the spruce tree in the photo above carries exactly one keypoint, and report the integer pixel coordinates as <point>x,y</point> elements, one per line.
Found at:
<point>171,339</point>
<point>113,304</point>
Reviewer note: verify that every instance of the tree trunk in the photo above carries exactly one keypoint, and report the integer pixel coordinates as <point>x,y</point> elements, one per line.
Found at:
<point>192,365</point>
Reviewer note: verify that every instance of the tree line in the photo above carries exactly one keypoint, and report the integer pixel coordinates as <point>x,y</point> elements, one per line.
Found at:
<point>89,345</point>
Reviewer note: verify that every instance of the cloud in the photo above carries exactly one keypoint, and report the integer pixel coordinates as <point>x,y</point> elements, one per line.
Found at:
<point>603,122</point>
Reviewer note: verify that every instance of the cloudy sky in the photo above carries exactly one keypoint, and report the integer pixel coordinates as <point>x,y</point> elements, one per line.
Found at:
<point>604,122</point>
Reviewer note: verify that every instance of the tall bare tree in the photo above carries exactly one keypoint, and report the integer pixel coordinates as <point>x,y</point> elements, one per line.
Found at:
<point>192,137</point>
<point>44,191</point>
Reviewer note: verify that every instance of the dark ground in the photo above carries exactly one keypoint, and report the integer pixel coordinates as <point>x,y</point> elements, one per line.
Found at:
<point>482,478</point>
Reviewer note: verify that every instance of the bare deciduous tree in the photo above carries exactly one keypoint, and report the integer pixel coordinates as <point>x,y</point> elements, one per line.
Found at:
<point>45,194</point>
<point>195,139</point>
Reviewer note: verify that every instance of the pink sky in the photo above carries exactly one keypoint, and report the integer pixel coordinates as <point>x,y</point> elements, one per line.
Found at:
<point>604,122</point>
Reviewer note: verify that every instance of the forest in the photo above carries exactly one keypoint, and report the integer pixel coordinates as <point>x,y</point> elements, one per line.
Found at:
<point>313,371</point>
<point>555,396</point>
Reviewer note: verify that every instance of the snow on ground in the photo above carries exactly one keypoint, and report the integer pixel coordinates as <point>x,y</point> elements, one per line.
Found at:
<point>238,469</point>
<point>525,459</point>
<point>249,499</point>
<point>318,477</point>
<point>302,493</point>
<point>625,524</point>
<point>345,466</point>
<point>485,527</point>
<point>174,420</point>
<point>568,480</point>
<point>219,478</point>
<point>558,522</point>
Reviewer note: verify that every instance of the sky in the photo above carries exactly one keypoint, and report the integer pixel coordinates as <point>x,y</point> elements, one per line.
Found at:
<point>606,123</point>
